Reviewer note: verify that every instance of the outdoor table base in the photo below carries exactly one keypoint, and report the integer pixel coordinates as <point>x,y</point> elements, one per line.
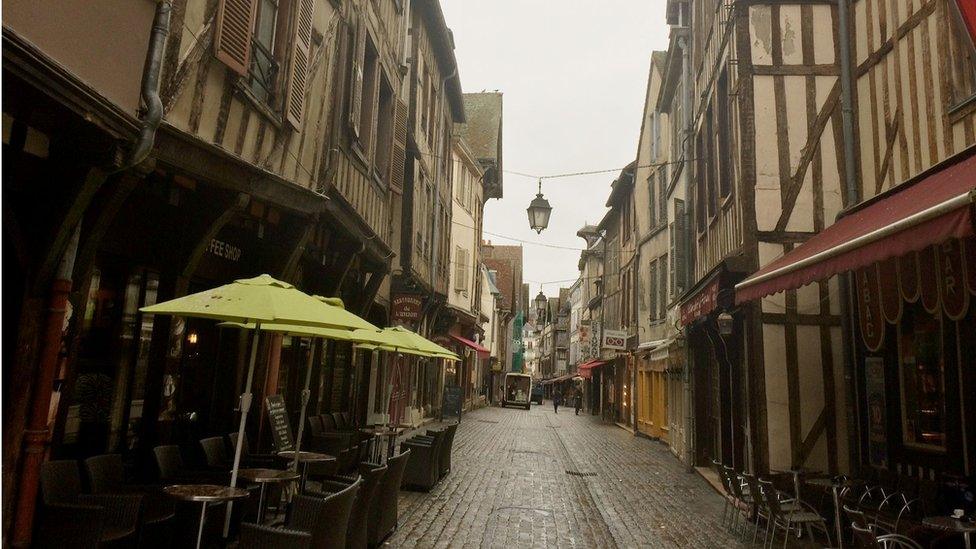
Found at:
<point>835,495</point>
<point>264,477</point>
<point>376,445</point>
<point>953,525</point>
<point>304,458</point>
<point>204,494</point>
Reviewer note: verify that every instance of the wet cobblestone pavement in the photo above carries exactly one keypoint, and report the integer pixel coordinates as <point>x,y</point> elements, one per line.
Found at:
<point>538,479</point>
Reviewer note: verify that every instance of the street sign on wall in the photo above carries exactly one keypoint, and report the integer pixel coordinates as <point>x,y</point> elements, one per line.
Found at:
<point>615,339</point>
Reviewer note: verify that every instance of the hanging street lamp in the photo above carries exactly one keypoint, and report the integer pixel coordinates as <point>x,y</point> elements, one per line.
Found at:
<point>540,307</point>
<point>539,211</point>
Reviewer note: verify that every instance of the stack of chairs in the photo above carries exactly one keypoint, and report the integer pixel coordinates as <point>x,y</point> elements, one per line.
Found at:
<point>430,459</point>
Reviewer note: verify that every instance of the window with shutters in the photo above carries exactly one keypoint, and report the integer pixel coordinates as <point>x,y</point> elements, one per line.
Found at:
<point>461,265</point>
<point>654,291</point>
<point>385,119</point>
<point>961,57</point>
<point>724,130</point>
<point>681,263</point>
<point>368,101</point>
<point>672,239</point>
<point>652,199</point>
<point>264,67</point>
<point>662,183</point>
<point>662,287</point>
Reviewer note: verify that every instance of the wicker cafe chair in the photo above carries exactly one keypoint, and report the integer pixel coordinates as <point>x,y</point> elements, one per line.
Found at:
<point>357,532</point>
<point>866,538</point>
<point>797,518</point>
<point>325,517</point>
<point>106,476</point>
<point>254,536</point>
<point>70,518</point>
<point>383,510</point>
<point>249,459</point>
<point>423,468</point>
<point>215,453</point>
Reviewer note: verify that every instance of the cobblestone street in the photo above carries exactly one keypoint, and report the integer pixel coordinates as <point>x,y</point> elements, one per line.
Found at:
<point>538,479</point>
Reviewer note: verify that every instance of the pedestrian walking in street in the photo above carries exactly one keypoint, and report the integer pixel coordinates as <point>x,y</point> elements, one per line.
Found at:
<point>578,402</point>
<point>557,399</point>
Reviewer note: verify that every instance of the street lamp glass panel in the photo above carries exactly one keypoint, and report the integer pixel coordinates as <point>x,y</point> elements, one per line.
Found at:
<point>539,211</point>
<point>540,304</point>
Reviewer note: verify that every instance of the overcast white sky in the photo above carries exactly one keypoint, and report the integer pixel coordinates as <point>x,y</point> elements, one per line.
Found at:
<point>574,75</point>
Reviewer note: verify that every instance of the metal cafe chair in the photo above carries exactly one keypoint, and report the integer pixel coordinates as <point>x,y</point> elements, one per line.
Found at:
<point>865,537</point>
<point>798,518</point>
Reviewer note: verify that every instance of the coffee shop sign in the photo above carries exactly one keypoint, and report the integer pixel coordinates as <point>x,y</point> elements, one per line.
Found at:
<point>222,249</point>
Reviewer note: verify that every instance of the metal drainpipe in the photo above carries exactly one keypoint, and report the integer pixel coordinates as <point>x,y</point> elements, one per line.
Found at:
<point>685,110</point>
<point>37,434</point>
<point>847,106</point>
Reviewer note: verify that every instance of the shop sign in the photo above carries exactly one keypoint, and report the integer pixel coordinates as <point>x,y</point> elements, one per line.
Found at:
<point>952,285</point>
<point>222,249</point>
<point>700,304</point>
<point>615,339</point>
<point>595,341</point>
<point>869,308</point>
<point>406,308</point>
<point>877,412</point>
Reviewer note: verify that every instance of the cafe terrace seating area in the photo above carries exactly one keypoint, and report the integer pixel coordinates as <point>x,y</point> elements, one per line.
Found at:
<point>807,509</point>
<point>326,500</point>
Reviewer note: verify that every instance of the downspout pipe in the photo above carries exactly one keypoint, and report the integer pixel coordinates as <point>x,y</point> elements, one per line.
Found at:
<point>689,207</point>
<point>152,113</point>
<point>37,435</point>
<point>846,101</point>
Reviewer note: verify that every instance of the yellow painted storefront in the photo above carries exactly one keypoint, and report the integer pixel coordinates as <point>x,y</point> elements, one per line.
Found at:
<point>652,398</point>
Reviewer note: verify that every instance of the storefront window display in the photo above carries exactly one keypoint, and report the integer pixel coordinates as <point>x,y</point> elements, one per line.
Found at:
<point>922,379</point>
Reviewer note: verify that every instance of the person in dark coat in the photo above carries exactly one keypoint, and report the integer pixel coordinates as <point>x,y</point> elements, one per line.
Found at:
<point>557,399</point>
<point>578,402</point>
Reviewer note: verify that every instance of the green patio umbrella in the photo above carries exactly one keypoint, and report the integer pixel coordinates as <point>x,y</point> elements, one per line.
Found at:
<point>359,336</point>
<point>420,342</point>
<point>258,300</point>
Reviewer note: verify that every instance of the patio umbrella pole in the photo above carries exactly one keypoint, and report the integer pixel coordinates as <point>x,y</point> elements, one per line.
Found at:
<point>305,396</point>
<point>245,405</point>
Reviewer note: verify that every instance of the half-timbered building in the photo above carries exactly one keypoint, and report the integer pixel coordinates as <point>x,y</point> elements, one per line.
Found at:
<point>903,249</point>
<point>766,176</point>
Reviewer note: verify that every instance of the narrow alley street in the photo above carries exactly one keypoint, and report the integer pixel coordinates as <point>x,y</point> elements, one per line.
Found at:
<point>538,479</point>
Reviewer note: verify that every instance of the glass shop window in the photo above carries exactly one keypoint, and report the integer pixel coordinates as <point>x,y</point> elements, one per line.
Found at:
<point>922,379</point>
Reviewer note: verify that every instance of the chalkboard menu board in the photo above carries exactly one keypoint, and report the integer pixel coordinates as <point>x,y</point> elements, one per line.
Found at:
<point>453,397</point>
<point>280,426</point>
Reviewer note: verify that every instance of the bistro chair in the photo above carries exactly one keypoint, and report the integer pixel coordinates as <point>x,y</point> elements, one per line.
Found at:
<point>215,453</point>
<point>865,537</point>
<point>106,476</point>
<point>170,465</point>
<point>727,493</point>
<point>357,532</point>
<point>789,519</point>
<point>249,459</point>
<point>423,468</point>
<point>255,536</point>
<point>325,517</point>
<point>70,518</point>
<point>383,511</point>
<point>742,500</point>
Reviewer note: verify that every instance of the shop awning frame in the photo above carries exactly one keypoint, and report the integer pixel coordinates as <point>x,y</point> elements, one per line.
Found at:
<point>482,351</point>
<point>933,208</point>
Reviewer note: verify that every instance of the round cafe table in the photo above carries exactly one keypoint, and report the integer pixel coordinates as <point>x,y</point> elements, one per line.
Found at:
<point>304,458</point>
<point>204,494</point>
<point>954,525</point>
<point>264,477</point>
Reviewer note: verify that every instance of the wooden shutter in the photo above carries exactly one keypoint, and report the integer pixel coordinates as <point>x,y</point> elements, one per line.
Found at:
<point>298,69</point>
<point>356,82</point>
<point>232,35</point>
<point>654,292</point>
<point>399,156</point>
<point>663,288</point>
<point>680,261</point>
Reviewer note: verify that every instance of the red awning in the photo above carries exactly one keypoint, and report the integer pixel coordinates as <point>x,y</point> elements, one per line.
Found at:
<point>934,208</point>
<point>585,370</point>
<point>482,352</point>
